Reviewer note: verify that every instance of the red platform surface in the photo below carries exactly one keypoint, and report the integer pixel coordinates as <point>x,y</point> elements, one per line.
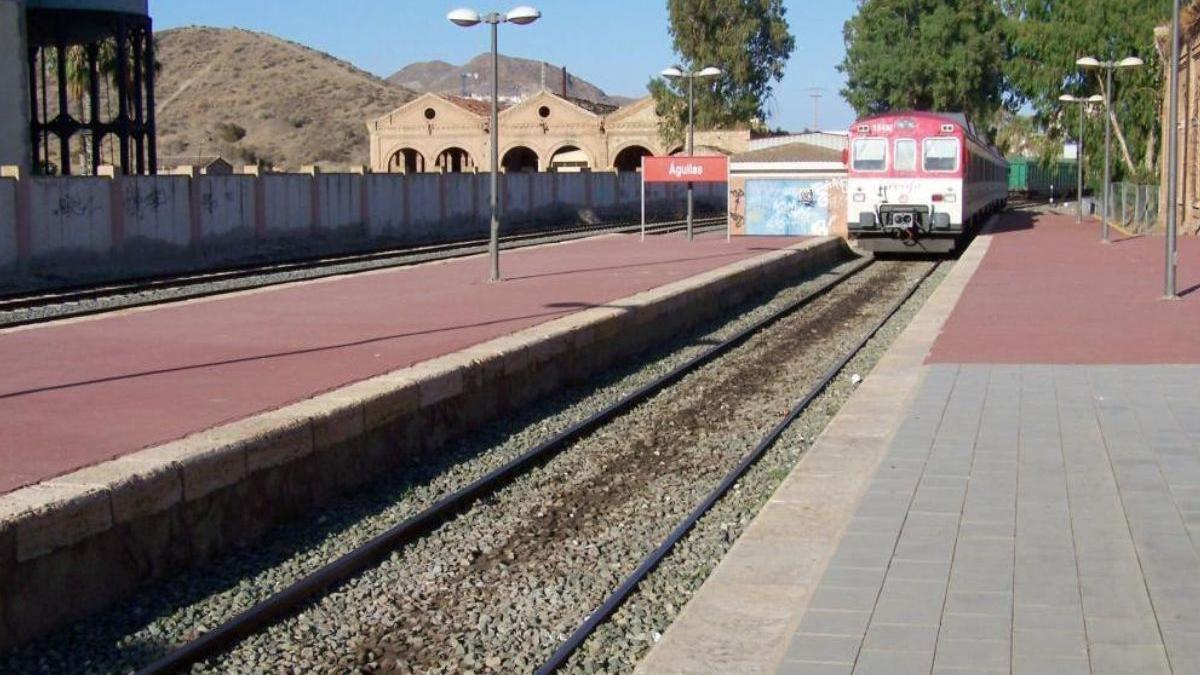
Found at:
<point>1048,291</point>
<point>79,393</point>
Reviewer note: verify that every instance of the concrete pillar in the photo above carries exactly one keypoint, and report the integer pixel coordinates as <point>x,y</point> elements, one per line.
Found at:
<point>314,196</point>
<point>260,198</point>
<point>116,203</point>
<point>15,148</point>
<point>24,233</point>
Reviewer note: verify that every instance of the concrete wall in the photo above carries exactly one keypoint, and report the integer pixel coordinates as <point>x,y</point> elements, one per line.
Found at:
<point>8,222</point>
<point>14,89</point>
<point>74,216</point>
<point>157,209</point>
<point>56,230</point>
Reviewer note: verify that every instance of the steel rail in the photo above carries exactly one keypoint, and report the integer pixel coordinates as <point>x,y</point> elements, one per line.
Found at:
<point>371,552</point>
<point>622,592</point>
<point>451,250</point>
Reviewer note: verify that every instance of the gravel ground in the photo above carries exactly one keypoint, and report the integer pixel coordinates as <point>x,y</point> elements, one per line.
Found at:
<point>620,643</point>
<point>123,298</point>
<point>482,597</point>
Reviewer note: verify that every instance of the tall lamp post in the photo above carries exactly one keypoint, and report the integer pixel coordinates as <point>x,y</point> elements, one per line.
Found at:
<point>676,73</point>
<point>1173,157</point>
<point>467,18</point>
<point>1067,98</point>
<point>1109,67</point>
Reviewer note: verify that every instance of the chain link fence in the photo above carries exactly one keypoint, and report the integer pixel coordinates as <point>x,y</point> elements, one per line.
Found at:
<point>1134,206</point>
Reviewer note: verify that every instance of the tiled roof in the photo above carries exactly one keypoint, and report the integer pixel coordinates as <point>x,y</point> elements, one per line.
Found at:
<point>473,105</point>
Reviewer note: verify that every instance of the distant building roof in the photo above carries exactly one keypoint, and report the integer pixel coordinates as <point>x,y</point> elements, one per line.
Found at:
<point>790,152</point>
<point>590,105</point>
<point>198,161</point>
<point>473,105</point>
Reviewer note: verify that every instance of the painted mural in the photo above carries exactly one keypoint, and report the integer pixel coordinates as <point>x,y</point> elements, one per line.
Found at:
<point>787,207</point>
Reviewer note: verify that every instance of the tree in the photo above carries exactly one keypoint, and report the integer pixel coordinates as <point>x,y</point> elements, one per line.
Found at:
<point>944,55</point>
<point>748,40</point>
<point>1045,39</point>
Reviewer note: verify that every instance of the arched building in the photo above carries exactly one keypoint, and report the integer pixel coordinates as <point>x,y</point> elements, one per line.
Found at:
<point>545,132</point>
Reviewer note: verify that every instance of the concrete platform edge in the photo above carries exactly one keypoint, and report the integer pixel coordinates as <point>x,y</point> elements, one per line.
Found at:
<point>740,619</point>
<point>75,544</point>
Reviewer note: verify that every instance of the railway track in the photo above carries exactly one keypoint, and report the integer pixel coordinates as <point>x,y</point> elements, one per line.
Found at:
<point>512,540</point>
<point>38,307</point>
<point>572,516</point>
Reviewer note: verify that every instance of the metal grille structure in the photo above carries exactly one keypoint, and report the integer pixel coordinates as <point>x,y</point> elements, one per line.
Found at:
<point>73,56</point>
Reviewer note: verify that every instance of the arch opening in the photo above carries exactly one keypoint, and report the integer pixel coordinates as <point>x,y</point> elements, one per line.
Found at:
<point>570,158</point>
<point>520,159</point>
<point>454,160</point>
<point>406,160</point>
<point>630,159</point>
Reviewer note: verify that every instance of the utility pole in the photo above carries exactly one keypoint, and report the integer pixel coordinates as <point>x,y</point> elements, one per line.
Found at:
<point>816,93</point>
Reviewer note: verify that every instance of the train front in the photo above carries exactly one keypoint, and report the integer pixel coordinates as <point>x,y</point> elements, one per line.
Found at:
<point>905,190</point>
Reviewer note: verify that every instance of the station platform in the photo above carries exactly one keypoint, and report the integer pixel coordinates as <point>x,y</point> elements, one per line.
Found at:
<point>78,392</point>
<point>1015,488</point>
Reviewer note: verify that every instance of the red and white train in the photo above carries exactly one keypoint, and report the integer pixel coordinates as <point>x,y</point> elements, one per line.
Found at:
<point>919,180</point>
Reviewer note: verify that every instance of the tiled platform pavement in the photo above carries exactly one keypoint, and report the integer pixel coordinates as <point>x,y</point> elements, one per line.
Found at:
<point>1026,518</point>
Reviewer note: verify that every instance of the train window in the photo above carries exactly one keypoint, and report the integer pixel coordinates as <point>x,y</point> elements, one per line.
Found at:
<point>870,154</point>
<point>941,154</point>
<point>906,155</point>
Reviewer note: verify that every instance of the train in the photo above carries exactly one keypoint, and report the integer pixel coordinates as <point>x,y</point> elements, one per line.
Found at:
<point>920,181</point>
<point>1030,178</point>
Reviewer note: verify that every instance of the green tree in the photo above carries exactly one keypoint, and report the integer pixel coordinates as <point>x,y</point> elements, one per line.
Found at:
<point>748,40</point>
<point>1045,39</point>
<point>945,55</point>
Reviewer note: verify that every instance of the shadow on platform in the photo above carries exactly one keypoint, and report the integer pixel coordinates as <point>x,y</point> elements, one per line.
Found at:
<point>559,309</point>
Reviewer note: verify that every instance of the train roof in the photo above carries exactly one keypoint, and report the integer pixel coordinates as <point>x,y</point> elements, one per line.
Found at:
<point>958,118</point>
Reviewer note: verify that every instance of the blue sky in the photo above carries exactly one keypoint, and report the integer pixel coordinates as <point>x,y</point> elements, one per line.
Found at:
<point>616,44</point>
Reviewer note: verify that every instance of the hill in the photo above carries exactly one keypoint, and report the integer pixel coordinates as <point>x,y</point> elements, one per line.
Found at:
<point>250,96</point>
<point>518,78</point>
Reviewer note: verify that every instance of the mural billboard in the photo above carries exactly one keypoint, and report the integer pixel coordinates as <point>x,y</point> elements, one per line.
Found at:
<point>787,207</point>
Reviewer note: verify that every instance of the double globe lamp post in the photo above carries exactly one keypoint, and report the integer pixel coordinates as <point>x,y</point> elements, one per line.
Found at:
<point>676,73</point>
<point>1109,67</point>
<point>1083,103</point>
<point>467,18</point>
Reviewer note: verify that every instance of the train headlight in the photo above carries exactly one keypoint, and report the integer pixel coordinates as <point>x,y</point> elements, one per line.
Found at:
<point>950,198</point>
<point>860,197</point>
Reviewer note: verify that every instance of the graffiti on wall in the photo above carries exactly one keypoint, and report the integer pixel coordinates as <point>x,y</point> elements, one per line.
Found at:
<point>787,207</point>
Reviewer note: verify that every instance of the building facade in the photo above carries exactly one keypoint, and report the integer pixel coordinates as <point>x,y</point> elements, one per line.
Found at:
<point>1188,130</point>
<point>545,132</point>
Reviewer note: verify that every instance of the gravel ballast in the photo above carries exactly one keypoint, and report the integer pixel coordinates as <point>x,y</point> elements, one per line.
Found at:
<point>497,588</point>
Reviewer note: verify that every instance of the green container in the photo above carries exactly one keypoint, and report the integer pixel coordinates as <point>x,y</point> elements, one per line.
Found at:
<point>1035,179</point>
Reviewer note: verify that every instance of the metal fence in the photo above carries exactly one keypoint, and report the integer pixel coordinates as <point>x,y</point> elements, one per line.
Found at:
<point>1134,205</point>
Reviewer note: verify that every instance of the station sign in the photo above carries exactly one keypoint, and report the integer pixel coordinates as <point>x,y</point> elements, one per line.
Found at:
<point>682,169</point>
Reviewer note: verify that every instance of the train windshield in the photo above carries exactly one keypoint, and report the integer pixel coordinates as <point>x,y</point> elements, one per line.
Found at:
<point>870,154</point>
<point>906,155</point>
<point>941,154</point>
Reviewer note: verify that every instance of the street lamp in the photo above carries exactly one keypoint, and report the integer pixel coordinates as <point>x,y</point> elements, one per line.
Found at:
<point>466,18</point>
<point>1173,157</point>
<point>1067,98</point>
<point>676,73</point>
<point>1109,67</point>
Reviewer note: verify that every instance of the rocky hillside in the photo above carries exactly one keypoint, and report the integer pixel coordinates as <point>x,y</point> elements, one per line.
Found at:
<point>518,78</point>
<point>255,97</point>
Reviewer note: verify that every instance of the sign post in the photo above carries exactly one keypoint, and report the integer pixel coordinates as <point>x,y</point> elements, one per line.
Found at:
<point>710,169</point>
<point>643,198</point>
